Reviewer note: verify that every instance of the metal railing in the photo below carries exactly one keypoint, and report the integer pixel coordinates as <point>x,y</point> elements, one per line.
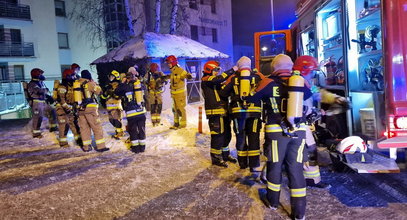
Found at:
<point>8,10</point>
<point>11,96</point>
<point>12,49</point>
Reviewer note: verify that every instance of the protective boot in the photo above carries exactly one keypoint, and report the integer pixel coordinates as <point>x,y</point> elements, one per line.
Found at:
<point>175,126</point>
<point>218,161</point>
<point>230,158</point>
<point>87,148</point>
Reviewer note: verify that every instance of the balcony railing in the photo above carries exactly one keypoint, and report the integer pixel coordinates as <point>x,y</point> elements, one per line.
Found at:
<point>19,11</point>
<point>12,49</point>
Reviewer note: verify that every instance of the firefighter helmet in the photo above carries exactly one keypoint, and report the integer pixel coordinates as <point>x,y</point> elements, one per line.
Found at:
<point>281,62</point>
<point>171,60</point>
<point>154,67</point>
<point>74,66</point>
<point>115,74</point>
<point>36,72</point>
<point>211,66</point>
<point>305,64</point>
<point>352,144</point>
<point>66,73</point>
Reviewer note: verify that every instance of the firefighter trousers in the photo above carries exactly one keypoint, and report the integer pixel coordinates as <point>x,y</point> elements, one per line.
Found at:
<point>178,108</point>
<point>136,126</point>
<point>280,149</point>
<point>66,121</point>
<point>37,116</point>
<point>311,172</point>
<point>115,118</point>
<point>227,137</point>
<point>247,132</point>
<point>51,114</point>
<point>220,137</point>
<point>89,121</point>
<point>156,101</point>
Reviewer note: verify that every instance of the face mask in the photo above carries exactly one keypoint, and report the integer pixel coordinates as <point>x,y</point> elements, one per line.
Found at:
<point>41,77</point>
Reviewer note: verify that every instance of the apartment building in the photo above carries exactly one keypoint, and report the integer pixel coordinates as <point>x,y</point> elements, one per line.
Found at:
<point>39,34</point>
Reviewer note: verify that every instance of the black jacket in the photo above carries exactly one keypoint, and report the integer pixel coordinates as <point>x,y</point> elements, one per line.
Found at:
<point>211,85</point>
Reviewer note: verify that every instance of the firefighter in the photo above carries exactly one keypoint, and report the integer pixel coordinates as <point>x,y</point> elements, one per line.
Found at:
<point>307,65</point>
<point>245,115</point>
<point>178,92</point>
<point>133,103</point>
<point>65,110</point>
<point>284,132</point>
<point>155,83</point>
<point>37,92</point>
<point>216,111</point>
<point>113,104</point>
<point>89,121</point>
<point>76,68</point>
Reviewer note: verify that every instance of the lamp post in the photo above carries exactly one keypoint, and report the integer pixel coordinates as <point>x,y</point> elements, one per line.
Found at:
<point>272,14</point>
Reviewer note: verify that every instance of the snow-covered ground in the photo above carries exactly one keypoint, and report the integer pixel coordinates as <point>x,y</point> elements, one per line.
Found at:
<point>173,179</point>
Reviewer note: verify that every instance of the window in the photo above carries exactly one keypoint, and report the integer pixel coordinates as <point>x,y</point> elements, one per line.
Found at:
<point>60,8</point>
<point>194,32</point>
<point>3,72</point>
<point>214,35</point>
<point>213,6</point>
<point>63,41</point>
<point>15,36</point>
<point>193,4</point>
<point>19,72</point>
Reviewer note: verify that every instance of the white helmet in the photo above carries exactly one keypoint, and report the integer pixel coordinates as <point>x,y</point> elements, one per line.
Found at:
<point>352,144</point>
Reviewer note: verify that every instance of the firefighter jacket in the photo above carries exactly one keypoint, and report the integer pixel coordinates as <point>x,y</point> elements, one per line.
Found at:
<point>155,82</point>
<point>177,79</point>
<point>37,91</point>
<point>273,91</point>
<point>65,98</point>
<point>238,107</point>
<point>113,101</point>
<point>127,92</point>
<point>90,89</point>
<point>211,85</point>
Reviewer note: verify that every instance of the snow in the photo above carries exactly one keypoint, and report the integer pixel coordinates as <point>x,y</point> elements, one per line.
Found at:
<point>154,45</point>
<point>173,179</point>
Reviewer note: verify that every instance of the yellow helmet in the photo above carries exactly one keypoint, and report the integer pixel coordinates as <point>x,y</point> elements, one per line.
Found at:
<point>116,75</point>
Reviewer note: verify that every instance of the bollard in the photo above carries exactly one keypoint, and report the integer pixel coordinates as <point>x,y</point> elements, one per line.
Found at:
<point>200,120</point>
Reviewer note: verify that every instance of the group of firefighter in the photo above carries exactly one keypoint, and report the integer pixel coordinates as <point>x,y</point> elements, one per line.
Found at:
<point>282,99</point>
<point>73,103</point>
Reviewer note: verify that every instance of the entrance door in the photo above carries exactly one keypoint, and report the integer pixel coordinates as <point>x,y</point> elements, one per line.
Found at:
<point>194,85</point>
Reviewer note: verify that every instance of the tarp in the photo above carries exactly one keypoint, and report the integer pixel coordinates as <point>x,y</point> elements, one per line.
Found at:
<point>154,45</point>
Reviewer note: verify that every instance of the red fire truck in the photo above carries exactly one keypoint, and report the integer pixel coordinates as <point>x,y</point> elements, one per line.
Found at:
<point>362,49</point>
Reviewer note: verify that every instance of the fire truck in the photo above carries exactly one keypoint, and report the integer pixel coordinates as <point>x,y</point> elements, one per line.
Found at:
<point>362,49</point>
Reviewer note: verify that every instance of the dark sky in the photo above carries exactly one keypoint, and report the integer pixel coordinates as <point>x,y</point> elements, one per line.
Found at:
<point>251,16</point>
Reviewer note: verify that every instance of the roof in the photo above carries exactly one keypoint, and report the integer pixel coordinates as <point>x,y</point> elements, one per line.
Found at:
<point>154,45</point>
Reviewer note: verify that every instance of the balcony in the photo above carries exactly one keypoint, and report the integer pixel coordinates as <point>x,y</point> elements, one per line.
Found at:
<point>13,49</point>
<point>18,11</point>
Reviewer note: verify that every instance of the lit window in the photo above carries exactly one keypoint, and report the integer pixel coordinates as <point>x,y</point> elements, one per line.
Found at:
<point>59,8</point>
<point>63,41</point>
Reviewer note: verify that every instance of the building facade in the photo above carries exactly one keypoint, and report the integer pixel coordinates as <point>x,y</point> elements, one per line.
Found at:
<point>39,34</point>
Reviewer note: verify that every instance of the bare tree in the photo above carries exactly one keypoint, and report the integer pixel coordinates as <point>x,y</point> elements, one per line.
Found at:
<point>88,15</point>
<point>157,16</point>
<point>173,25</point>
<point>129,17</point>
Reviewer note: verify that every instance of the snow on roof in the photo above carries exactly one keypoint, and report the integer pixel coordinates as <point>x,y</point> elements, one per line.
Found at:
<point>158,46</point>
